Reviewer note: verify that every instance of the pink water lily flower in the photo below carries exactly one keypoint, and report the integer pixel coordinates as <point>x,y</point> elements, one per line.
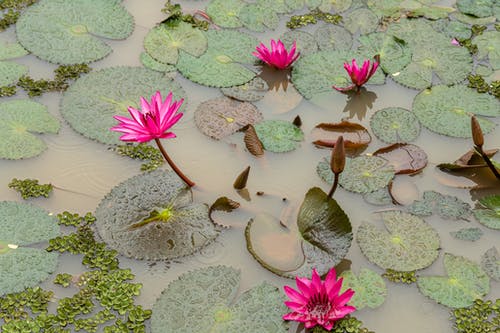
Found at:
<point>359,76</point>
<point>317,302</point>
<point>278,57</point>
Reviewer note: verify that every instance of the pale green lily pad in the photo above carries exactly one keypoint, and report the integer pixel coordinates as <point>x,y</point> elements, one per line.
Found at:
<point>225,13</point>
<point>318,72</point>
<point>369,288</point>
<point>278,6</point>
<point>407,244</point>
<point>489,216</point>
<point>65,32</point>
<point>468,19</point>
<point>294,5</point>
<point>209,295</point>
<point>490,263</point>
<point>150,63</point>
<point>465,282</point>
<point>304,41</point>
<point>477,8</point>
<point>10,72</point>
<point>91,102</point>
<point>448,110</point>
<point>279,136</point>
<point>362,20</point>
<point>222,64</point>
<point>333,37</point>
<point>395,125</point>
<point>488,45</point>
<point>380,197</point>
<point>446,206</point>
<point>252,91</point>
<point>467,234</point>
<point>11,50</point>
<point>164,42</point>
<point>259,18</point>
<point>395,54</point>
<point>431,12</point>
<point>125,218</point>
<point>19,119</point>
<point>331,5</point>
<point>454,29</point>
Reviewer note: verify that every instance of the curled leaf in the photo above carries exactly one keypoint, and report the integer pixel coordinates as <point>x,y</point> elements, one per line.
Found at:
<point>405,158</point>
<point>241,181</point>
<point>252,142</point>
<point>223,204</point>
<point>469,160</point>
<point>356,136</point>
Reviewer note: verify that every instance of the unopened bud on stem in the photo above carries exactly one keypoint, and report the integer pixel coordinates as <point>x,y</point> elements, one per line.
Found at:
<point>477,133</point>
<point>337,161</point>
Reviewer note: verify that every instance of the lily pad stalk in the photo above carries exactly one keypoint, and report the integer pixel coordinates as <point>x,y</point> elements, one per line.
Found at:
<point>478,138</point>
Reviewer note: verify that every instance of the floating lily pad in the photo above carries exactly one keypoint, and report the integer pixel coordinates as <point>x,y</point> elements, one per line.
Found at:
<point>369,288</point>
<point>488,45</point>
<point>356,136</point>
<point>150,63</point>
<point>490,263</point>
<point>258,18</point>
<point>469,19</point>
<point>279,136</point>
<point>11,50</point>
<point>333,37</point>
<point>448,110</point>
<point>278,6</point>
<point>489,216</point>
<point>407,244</point>
<point>304,41</point>
<point>225,13</point>
<point>430,12</point>
<point>362,20</point>
<point>467,234</point>
<point>10,72</point>
<point>446,206</point>
<point>164,42</point>
<point>222,116</point>
<point>380,197</point>
<point>465,282</point>
<point>330,5</point>
<point>65,32</point>
<point>91,102</point>
<point>209,295</point>
<point>395,54</point>
<point>405,158</point>
<point>252,91</point>
<point>478,8</point>
<point>395,125</point>
<point>365,174</point>
<point>19,119</point>
<point>222,64</point>
<point>454,29</point>
<point>152,216</point>
<point>469,160</point>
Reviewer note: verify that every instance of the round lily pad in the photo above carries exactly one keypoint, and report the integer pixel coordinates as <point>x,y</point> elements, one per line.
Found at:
<point>405,158</point>
<point>222,64</point>
<point>477,8</point>
<point>465,282</point>
<point>380,197</point>
<point>222,116</point>
<point>446,206</point>
<point>278,6</point>
<point>369,288</point>
<point>448,110</point>
<point>251,91</point>
<point>467,234</point>
<point>258,17</point>
<point>490,263</point>
<point>279,136</point>
<point>209,295</point>
<point>362,20</point>
<point>10,72</point>
<point>11,50</point>
<point>407,244</point>
<point>150,63</point>
<point>65,32</point>
<point>395,125</point>
<point>333,37</point>
<point>152,216</point>
<point>19,119</point>
<point>91,102</point>
<point>366,174</point>
<point>304,41</point>
<point>330,5</point>
<point>489,214</point>
<point>488,45</point>
<point>454,29</point>
<point>225,13</point>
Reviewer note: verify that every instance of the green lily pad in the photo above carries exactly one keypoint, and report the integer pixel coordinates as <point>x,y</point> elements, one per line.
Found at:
<point>330,5</point>
<point>152,216</point>
<point>446,206</point>
<point>407,244</point>
<point>489,214</point>
<point>490,263</point>
<point>431,12</point>
<point>469,19</point>
<point>380,197</point>
<point>467,234</point>
<point>19,119</point>
<point>278,6</point>
<point>365,174</point>
<point>333,37</point>
<point>304,41</point>
<point>369,288</point>
<point>259,18</point>
<point>448,110</point>
<point>454,29</point>
<point>394,53</point>
<point>164,42</point>
<point>91,102</point>
<point>10,72</point>
<point>225,13</point>
<point>252,91</point>
<point>11,50</point>
<point>465,282</point>
<point>395,125</point>
<point>279,136</point>
<point>65,32</point>
<point>209,295</point>
<point>150,63</point>
<point>318,72</point>
<point>477,8</point>
<point>362,20</point>
<point>488,45</point>
<point>222,64</point>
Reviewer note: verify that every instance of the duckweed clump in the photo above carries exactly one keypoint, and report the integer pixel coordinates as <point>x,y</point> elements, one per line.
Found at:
<point>29,188</point>
<point>142,152</point>
<point>175,16</point>
<point>18,306</point>
<point>400,277</point>
<point>348,324</point>
<point>69,219</point>
<point>7,91</point>
<point>11,10</point>
<point>297,21</point>
<point>479,83</point>
<point>481,317</point>
<point>63,279</point>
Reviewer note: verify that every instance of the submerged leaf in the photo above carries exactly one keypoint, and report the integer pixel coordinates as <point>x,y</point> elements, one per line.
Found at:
<point>304,41</point>
<point>395,125</point>
<point>405,158</point>
<point>332,37</point>
<point>257,17</point>
<point>251,91</point>
<point>490,263</point>
<point>446,206</point>
<point>467,234</point>
<point>369,288</point>
<point>489,214</point>
<point>362,20</point>
<point>225,13</point>
<point>10,72</point>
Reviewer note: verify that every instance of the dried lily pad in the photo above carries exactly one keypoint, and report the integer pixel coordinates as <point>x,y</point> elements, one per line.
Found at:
<point>488,46</point>
<point>465,282</point>
<point>257,17</point>
<point>65,32</point>
<point>152,216</point>
<point>225,13</point>
<point>395,125</point>
<point>448,110</point>
<point>279,136</point>
<point>304,41</point>
<point>356,136</point>
<point>150,63</point>
<point>362,20</point>
<point>164,42</point>
<point>469,160</point>
<point>333,37</point>
<point>405,158</point>
<point>477,8</point>
<point>407,244</point>
<point>10,72</point>
<point>19,119</point>
<point>446,206</point>
<point>91,102</point>
<point>252,91</point>
<point>209,295</point>
<point>489,214</point>
<point>222,116</point>
<point>365,174</point>
<point>369,288</point>
<point>467,234</point>
<point>222,64</point>
<point>252,142</point>
<point>490,263</point>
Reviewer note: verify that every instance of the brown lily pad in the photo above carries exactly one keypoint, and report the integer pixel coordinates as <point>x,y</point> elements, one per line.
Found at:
<point>252,142</point>
<point>406,158</point>
<point>356,136</point>
<point>241,181</point>
<point>469,160</point>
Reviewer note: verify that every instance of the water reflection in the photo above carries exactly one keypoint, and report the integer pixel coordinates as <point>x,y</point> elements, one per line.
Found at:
<point>276,78</point>
<point>359,102</point>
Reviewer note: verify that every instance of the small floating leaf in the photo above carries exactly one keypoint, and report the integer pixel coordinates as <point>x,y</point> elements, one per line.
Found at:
<point>482,8</point>
<point>488,46</point>
<point>362,20</point>
<point>304,41</point>
<point>467,234</point>
<point>446,206</point>
<point>257,17</point>
<point>356,136</point>
<point>489,214</point>
<point>405,158</point>
<point>150,63</point>
<point>369,288</point>
<point>279,136</point>
<point>225,13</point>
<point>395,125</point>
<point>251,91</point>
<point>10,72</point>
<point>490,263</point>
<point>252,142</point>
<point>365,174</point>
<point>380,197</point>
<point>333,37</point>
<point>241,181</point>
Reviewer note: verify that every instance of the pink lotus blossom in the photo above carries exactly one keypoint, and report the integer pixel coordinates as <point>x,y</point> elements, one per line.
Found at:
<point>359,76</point>
<point>455,42</point>
<point>278,57</point>
<point>317,302</point>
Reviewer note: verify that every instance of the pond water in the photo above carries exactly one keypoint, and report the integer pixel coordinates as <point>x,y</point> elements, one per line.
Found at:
<point>84,171</point>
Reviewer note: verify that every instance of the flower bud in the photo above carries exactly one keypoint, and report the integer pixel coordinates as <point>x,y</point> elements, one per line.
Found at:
<point>477,133</point>
<point>337,161</point>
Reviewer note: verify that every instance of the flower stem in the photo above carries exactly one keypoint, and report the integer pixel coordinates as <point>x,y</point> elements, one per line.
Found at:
<point>488,161</point>
<point>172,164</point>
<point>335,184</point>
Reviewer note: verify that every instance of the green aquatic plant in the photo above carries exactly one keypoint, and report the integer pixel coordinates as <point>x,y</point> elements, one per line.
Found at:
<point>400,277</point>
<point>7,91</point>
<point>481,316</point>
<point>69,219</point>
<point>142,152</point>
<point>11,10</point>
<point>175,16</point>
<point>348,324</point>
<point>29,188</point>
<point>20,305</point>
<point>63,279</point>
<point>315,15</point>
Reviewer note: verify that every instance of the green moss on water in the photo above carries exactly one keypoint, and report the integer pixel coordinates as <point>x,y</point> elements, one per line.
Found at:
<point>297,21</point>
<point>63,279</point>
<point>7,91</point>
<point>142,152</point>
<point>29,188</point>
<point>400,277</point>
<point>479,83</point>
<point>11,10</point>
<point>175,15</point>
<point>481,317</point>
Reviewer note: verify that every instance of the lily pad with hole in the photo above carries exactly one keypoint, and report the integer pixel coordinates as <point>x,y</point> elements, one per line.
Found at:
<point>448,110</point>
<point>395,125</point>
<point>152,216</point>
<point>304,41</point>
<point>222,64</point>
<point>225,13</point>
<point>258,17</point>
<point>395,54</point>
<point>488,214</point>
<point>405,158</point>
<point>465,282</point>
<point>333,37</point>
<point>362,20</point>
<point>164,42</point>
<point>488,45</point>
<point>356,136</point>
<point>490,263</point>
<point>467,234</point>
<point>223,116</point>
<point>210,295</point>
<point>150,63</point>
<point>407,244</point>
<point>279,136</point>
<point>10,72</point>
<point>252,91</point>
<point>446,206</point>
<point>66,32</point>
<point>91,102</point>
<point>477,8</point>
<point>365,174</point>
<point>19,121</point>
<point>369,288</point>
